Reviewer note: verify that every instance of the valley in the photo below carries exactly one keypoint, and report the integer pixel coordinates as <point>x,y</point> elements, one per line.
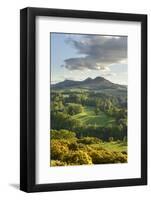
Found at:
<point>88,122</point>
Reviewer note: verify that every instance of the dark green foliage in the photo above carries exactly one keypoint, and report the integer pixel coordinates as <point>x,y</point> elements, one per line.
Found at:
<point>104,133</point>
<point>96,110</point>
<point>62,134</point>
<point>73,109</point>
<point>89,140</point>
<point>61,120</point>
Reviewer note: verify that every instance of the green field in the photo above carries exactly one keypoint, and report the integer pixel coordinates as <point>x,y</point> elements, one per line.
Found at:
<point>112,146</point>
<point>89,117</point>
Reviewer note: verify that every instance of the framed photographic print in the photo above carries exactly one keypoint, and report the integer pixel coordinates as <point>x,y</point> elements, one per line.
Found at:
<point>83,96</point>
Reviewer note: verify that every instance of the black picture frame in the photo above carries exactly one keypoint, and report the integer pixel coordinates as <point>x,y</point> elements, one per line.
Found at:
<point>28,98</point>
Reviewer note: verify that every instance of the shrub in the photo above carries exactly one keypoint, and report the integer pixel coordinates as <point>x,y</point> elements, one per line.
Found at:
<point>104,157</point>
<point>78,158</point>
<point>89,140</point>
<point>58,150</point>
<point>73,146</point>
<point>124,152</point>
<point>120,157</point>
<point>57,163</point>
<point>97,157</point>
<point>62,134</point>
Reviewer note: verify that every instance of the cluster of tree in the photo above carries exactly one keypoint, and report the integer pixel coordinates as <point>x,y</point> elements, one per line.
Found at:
<point>62,134</point>
<point>118,132</point>
<point>92,98</point>
<point>78,98</point>
<point>60,120</point>
<point>59,104</point>
<point>63,106</point>
<point>63,121</point>
<point>111,105</point>
<point>73,109</point>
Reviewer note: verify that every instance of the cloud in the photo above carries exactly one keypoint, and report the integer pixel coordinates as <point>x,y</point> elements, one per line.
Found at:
<point>96,52</point>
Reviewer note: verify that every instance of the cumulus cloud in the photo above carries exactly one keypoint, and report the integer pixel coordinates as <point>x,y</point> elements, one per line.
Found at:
<point>96,52</point>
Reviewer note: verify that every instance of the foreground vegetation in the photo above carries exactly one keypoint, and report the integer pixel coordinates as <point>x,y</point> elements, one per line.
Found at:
<point>66,149</point>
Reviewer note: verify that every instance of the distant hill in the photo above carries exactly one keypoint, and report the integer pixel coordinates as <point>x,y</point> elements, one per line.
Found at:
<point>98,83</point>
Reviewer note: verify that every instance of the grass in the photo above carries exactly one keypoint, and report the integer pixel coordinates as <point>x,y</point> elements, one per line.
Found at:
<point>89,117</point>
<point>112,146</point>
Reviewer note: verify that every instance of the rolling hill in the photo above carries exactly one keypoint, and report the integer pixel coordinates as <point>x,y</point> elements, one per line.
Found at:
<point>98,83</point>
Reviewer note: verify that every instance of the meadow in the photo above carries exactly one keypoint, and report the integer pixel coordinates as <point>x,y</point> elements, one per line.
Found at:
<point>88,117</point>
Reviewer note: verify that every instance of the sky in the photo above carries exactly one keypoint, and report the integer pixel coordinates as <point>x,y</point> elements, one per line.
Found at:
<point>79,56</point>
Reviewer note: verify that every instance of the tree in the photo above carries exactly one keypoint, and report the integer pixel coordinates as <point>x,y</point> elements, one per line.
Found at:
<point>73,109</point>
<point>96,110</point>
<point>60,106</point>
<point>75,98</point>
<point>62,120</point>
<point>111,139</point>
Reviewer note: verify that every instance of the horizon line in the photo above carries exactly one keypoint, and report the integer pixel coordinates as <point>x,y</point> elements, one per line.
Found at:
<point>56,82</point>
